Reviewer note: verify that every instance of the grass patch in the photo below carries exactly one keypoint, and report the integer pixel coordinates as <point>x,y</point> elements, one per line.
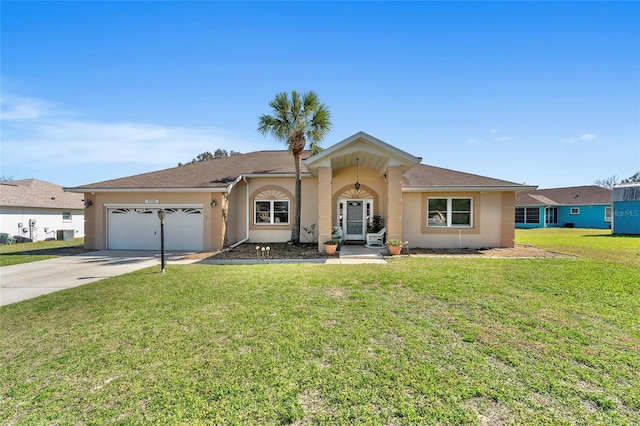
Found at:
<point>591,243</point>
<point>417,341</point>
<point>14,254</point>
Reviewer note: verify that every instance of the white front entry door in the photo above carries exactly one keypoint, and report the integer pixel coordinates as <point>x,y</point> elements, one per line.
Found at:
<point>353,218</point>
<point>139,229</point>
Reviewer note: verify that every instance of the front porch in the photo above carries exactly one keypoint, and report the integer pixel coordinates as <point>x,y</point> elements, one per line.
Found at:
<point>358,178</point>
<point>351,254</point>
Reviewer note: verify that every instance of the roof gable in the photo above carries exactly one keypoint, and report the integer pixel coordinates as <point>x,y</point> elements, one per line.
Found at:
<point>363,149</point>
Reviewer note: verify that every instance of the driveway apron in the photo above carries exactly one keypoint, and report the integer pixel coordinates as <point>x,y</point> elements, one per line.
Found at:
<point>28,280</point>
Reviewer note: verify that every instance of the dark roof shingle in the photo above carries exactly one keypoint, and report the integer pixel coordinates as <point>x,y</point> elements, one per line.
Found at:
<point>570,196</point>
<point>216,173</point>
<point>425,175</point>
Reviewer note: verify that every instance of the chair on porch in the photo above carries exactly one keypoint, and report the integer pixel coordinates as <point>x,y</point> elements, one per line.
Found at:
<point>375,239</point>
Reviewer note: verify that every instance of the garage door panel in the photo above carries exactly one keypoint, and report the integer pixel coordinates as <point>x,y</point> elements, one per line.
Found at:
<point>183,229</point>
<point>139,229</point>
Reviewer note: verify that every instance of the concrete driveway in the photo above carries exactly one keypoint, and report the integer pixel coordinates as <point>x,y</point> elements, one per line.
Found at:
<point>28,280</point>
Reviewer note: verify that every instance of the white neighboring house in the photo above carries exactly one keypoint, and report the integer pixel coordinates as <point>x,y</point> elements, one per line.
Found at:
<point>35,210</point>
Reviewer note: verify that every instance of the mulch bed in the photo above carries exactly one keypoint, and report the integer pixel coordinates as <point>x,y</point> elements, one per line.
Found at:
<point>247,251</point>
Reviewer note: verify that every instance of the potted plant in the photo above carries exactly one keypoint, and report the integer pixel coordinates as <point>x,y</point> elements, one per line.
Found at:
<point>330,246</point>
<point>394,246</point>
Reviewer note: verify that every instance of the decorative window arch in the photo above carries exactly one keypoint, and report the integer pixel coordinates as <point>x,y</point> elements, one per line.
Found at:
<point>272,206</point>
<point>352,194</point>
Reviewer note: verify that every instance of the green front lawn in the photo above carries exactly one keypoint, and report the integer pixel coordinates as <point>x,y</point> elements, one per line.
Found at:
<point>13,254</point>
<point>591,243</point>
<point>417,341</point>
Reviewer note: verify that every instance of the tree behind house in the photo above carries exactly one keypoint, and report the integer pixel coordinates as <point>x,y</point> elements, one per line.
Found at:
<point>207,156</point>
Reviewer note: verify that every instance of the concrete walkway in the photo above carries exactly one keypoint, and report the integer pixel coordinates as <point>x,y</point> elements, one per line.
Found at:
<point>351,254</point>
<point>28,280</point>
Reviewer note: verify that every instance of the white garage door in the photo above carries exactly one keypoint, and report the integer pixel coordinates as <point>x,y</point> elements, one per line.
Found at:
<point>139,229</point>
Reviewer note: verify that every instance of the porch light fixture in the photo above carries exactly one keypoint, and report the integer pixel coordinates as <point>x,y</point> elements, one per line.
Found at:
<point>162,215</point>
<point>213,203</point>
<point>87,203</point>
<point>357,185</point>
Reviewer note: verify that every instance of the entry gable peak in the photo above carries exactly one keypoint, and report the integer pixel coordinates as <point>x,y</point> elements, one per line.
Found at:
<point>369,151</point>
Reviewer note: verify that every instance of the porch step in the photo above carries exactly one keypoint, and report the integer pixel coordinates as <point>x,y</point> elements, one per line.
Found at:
<point>358,251</point>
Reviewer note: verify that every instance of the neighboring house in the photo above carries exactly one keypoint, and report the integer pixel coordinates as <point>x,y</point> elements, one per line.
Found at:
<point>626,209</point>
<point>249,197</point>
<point>34,210</point>
<point>578,206</point>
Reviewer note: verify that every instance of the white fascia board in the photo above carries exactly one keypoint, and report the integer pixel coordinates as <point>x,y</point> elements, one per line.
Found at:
<point>103,190</point>
<point>234,183</point>
<point>467,188</point>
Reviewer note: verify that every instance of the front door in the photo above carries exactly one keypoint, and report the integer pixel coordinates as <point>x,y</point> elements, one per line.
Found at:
<point>353,216</point>
<point>355,220</point>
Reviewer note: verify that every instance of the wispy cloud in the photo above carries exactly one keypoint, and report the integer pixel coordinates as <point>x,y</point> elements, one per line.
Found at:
<point>35,131</point>
<point>13,107</point>
<point>581,138</point>
<point>587,137</point>
<point>494,136</point>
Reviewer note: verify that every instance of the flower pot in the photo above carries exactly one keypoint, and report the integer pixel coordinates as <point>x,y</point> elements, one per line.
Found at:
<point>394,250</point>
<point>330,249</point>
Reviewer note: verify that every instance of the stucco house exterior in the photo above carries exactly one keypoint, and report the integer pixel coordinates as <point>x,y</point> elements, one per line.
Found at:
<point>577,206</point>
<point>249,197</point>
<point>35,210</point>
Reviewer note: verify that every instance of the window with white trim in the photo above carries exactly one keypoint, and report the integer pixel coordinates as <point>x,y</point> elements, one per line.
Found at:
<point>272,212</point>
<point>575,210</point>
<point>66,216</point>
<point>527,215</point>
<point>271,207</point>
<point>450,212</point>
<point>607,214</point>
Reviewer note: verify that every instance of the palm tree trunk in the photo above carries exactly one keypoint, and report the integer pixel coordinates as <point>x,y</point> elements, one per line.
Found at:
<point>295,230</point>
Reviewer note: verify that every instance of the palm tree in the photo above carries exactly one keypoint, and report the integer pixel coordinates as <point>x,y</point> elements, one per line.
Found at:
<point>297,120</point>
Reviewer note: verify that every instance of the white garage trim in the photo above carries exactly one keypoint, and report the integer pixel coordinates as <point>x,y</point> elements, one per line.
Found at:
<point>153,206</point>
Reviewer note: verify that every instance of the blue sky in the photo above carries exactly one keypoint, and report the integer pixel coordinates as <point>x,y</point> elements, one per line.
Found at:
<point>543,93</point>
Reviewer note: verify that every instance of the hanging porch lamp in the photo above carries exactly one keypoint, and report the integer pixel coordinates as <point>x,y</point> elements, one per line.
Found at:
<point>357,185</point>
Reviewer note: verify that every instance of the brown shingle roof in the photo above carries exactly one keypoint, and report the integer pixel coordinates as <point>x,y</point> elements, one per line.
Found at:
<point>219,173</point>
<point>425,175</point>
<point>570,196</point>
<point>38,193</point>
<point>216,173</point>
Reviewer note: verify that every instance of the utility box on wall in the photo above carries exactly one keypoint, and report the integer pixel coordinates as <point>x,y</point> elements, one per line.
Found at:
<point>626,209</point>
<point>66,235</point>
